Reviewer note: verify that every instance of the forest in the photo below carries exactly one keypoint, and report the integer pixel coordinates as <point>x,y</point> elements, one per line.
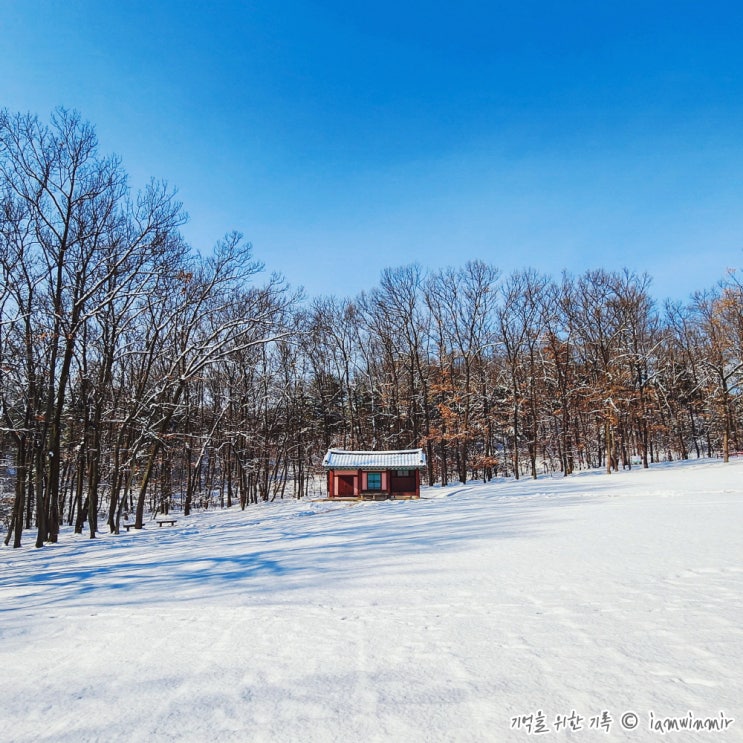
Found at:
<point>139,376</point>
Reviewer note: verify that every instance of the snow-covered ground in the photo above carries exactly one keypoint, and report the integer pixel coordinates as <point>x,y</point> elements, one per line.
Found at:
<point>459,617</point>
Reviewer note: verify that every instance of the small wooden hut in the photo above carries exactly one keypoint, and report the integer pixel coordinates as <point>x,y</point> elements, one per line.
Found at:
<point>374,475</point>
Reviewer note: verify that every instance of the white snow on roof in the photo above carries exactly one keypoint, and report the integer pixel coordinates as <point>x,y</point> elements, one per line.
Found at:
<point>404,459</point>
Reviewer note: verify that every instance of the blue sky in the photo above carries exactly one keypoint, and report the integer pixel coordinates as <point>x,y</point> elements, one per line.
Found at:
<point>344,137</point>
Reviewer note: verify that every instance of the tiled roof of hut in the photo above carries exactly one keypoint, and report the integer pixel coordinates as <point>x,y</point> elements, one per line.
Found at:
<point>404,459</point>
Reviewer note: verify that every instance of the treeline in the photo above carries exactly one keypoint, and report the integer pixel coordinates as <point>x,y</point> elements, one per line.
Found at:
<point>521,375</point>
<point>137,376</point>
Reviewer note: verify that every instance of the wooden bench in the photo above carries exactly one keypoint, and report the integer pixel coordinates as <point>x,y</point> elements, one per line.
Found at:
<point>129,526</point>
<point>160,522</point>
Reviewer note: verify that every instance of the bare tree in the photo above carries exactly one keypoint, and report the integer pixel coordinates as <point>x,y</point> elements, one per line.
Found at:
<point>718,316</point>
<point>520,329</point>
<point>85,242</point>
<point>462,304</point>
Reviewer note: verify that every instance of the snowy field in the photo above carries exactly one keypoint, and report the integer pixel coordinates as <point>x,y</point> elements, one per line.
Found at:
<point>597,607</point>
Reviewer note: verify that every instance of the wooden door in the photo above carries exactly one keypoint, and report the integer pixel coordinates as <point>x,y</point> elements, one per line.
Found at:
<point>346,485</point>
<point>402,483</point>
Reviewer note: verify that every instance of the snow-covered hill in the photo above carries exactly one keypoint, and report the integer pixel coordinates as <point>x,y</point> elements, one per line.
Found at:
<point>588,604</point>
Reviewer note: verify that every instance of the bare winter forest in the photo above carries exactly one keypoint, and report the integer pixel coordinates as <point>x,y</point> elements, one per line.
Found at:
<point>139,376</point>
